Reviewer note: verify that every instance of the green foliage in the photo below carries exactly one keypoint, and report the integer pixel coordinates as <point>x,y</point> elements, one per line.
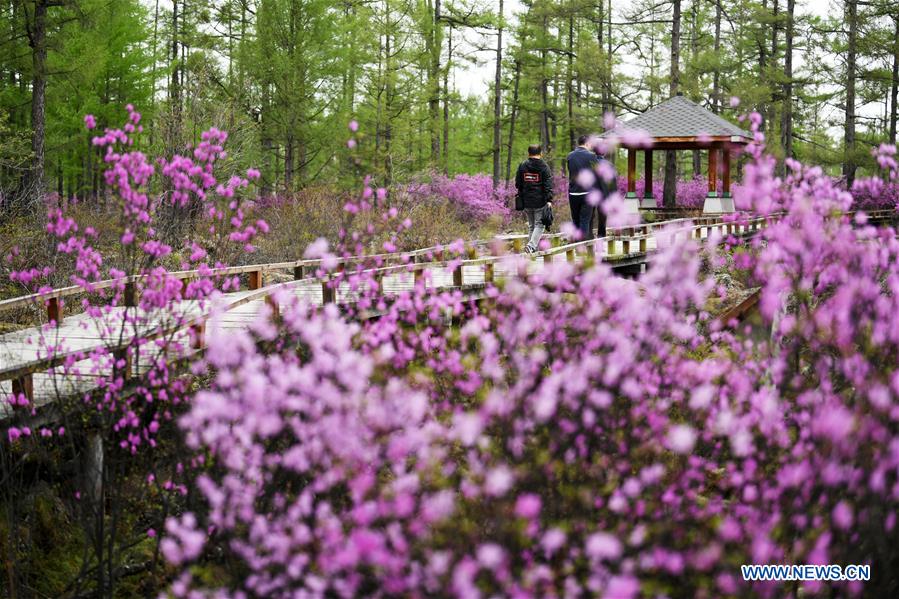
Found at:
<point>285,77</point>
<point>98,60</point>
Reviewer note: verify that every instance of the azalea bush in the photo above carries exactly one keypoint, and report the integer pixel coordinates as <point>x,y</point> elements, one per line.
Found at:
<point>473,196</point>
<point>691,193</point>
<point>563,433</point>
<point>576,435</point>
<point>105,407</point>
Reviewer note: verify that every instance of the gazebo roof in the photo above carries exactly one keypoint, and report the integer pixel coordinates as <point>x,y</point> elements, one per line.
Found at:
<point>677,119</point>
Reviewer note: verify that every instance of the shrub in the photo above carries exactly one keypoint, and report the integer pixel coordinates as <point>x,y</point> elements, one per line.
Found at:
<point>473,196</point>
<point>579,435</point>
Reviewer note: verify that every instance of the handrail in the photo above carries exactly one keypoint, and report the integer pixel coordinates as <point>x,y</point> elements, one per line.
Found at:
<point>616,234</point>
<point>71,290</point>
<point>24,371</point>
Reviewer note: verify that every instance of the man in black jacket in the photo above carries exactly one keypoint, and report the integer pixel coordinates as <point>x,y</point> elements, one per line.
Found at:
<point>534,182</point>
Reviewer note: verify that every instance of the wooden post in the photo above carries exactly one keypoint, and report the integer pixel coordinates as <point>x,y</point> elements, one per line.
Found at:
<point>124,354</point>
<point>713,172</point>
<point>328,293</point>
<point>419,275</point>
<point>726,172</point>
<point>93,469</point>
<point>53,314</point>
<point>299,272</point>
<point>516,245</point>
<point>472,252</point>
<point>643,245</point>
<point>458,277</point>
<point>273,304</point>
<point>647,174</point>
<point>130,296</point>
<point>610,250</point>
<point>547,258</point>
<point>569,255</point>
<point>24,385</point>
<point>627,245</point>
<point>254,279</point>
<point>198,335</point>
<point>631,173</point>
<point>488,272</point>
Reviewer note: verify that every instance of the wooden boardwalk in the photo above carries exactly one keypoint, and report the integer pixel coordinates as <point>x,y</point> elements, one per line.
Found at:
<point>55,360</point>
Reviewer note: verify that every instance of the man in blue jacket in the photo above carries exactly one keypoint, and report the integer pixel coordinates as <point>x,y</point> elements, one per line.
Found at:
<point>607,184</point>
<point>582,179</point>
<point>534,182</point>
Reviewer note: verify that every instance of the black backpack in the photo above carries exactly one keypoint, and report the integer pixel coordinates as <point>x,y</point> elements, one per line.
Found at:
<point>547,217</point>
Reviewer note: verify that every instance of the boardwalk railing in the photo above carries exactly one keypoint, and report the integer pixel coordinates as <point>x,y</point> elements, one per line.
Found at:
<point>20,373</point>
<point>255,274</point>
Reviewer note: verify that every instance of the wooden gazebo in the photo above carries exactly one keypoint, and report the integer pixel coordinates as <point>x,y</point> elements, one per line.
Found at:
<point>679,124</point>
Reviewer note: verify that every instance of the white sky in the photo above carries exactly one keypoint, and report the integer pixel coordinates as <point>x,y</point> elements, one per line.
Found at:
<point>478,80</point>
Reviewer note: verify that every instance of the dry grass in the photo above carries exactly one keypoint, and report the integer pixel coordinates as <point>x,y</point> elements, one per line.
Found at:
<point>295,222</point>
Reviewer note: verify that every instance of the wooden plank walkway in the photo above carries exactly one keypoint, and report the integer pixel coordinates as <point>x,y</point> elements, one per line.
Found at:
<point>52,361</point>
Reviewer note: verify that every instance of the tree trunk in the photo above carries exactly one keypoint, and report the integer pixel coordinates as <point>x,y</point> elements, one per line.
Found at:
<point>608,86</point>
<point>763,65</point>
<point>388,96</point>
<point>786,120</point>
<point>265,128</point>
<point>652,66</point>
<point>849,156</point>
<point>604,94</point>
<point>497,100</point>
<point>446,94</point>
<point>670,189</point>
<point>351,76</point>
<point>772,104</point>
<point>288,163</point>
<point>153,69</point>
<point>544,97</point>
<point>380,90</point>
<point>59,180</point>
<point>694,54</point>
<point>38,41</point>
<point>434,84</point>
<point>716,78</point>
<point>512,121</point>
<point>894,92</point>
<point>554,132</point>
<point>174,92</point>
<point>175,87</point>
<point>569,90</point>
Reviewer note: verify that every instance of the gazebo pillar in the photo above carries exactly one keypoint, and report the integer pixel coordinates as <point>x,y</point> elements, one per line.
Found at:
<point>713,201</point>
<point>631,173</point>
<point>631,203</point>
<point>648,200</point>
<point>727,201</point>
<point>725,171</point>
